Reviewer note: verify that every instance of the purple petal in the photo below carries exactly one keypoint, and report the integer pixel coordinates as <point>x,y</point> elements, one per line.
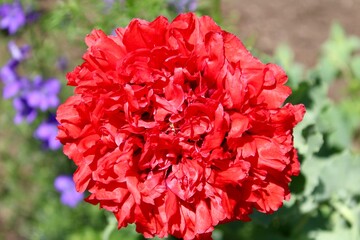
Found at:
<point>23,111</point>
<point>66,186</point>
<point>71,198</point>
<point>43,131</point>
<point>54,143</point>
<point>34,99</point>
<point>43,94</point>
<point>52,85</point>
<point>8,71</point>
<point>64,182</point>
<point>18,53</point>
<point>10,90</point>
<point>12,17</point>
<point>29,118</point>
<point>10,79</point>
<point>47,132</point>
<point>32,16</point>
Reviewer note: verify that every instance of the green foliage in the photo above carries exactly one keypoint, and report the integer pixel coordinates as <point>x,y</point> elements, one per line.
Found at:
<point>285,58</point>
<point>325,201</point>
<point>327,189</point>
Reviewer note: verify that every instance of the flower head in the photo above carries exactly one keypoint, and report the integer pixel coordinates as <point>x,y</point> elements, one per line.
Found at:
<point>13,83</point>
<point>10,78</point>
<point>46,132</point>
<point>12,16</point>
<point>43,94</point>
<point>180,130</point>
<point>69,196</point>
<point>24,112</point>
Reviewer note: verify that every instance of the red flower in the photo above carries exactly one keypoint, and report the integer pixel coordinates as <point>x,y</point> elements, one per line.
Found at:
<point>177,128</point>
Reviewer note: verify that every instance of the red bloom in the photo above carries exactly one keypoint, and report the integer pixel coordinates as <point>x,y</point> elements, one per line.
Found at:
<point>176,127</point>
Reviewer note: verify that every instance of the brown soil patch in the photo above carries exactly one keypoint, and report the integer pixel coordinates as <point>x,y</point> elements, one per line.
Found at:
<point>304,24</point>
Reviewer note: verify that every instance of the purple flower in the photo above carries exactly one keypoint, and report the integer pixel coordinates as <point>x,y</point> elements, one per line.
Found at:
<point>18,53</point>
<point>9,77</point>
<point>46,132</point>
<point>183,5</point>
<point>23,111</point>
<point>12,17</point>
<point>8,74</point>
<point>32,16</point>
<point>43,94</point>
<point>66,186</point>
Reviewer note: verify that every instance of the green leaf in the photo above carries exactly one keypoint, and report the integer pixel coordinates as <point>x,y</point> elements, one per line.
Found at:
<point>333,122</point>
<point>327,70</point>
<point>284,56</point>
<point>312,169</point>
<point>355,66</point>
<point>330,177</point>
<point>344,223</point>
<point>350,109</point>
<point>340,175</point>
<point>339,48</point>
<point>307,137</point>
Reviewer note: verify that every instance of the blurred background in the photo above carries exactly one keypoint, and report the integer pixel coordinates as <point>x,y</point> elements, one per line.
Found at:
<point>304,25</point>
<point>316,42</point>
